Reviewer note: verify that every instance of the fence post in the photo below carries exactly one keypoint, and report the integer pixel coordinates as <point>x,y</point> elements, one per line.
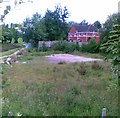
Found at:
<point>104,110</point>
<point>10,115</point>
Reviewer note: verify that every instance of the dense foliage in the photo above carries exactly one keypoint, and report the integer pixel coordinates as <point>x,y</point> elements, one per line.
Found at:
<point>108,26</point>
<point>97,24</point>
<point>111,41</point>
<point>112,46</point>
<point>91,47</point>
<point>52,26</point>
<point>55,23</point>
<point>33,29</point>
<point>9,33</point>
<point>1,34</point>
<point>65,47</point>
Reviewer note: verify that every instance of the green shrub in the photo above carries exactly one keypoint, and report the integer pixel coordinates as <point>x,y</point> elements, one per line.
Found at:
<point>113,85</point>
<point>65,46</point>
<point>71,47</point>
<point>75,91</point>
<point>43,48</point>
<point>81,69</point>
<point>91,47</point>
<point>59,46</point>
<point>96,66</point>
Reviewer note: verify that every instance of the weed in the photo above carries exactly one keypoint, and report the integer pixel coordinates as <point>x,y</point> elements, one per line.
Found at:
<point>61,62</point>
<point>96,66</point>
<point>81,69</point>
<point>65,46</point>
<point>75,91</point>
<point>113,85</point>
<point>25,58</point>
<point>55,69</point>
<point>91,45</point>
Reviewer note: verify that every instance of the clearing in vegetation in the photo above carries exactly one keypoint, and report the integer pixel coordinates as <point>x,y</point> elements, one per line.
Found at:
<point>68,58</point>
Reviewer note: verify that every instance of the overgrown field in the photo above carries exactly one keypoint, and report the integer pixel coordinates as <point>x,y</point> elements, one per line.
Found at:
<point>39,88</point>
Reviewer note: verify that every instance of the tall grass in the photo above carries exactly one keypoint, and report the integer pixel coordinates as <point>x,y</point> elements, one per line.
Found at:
<point>76,89</point>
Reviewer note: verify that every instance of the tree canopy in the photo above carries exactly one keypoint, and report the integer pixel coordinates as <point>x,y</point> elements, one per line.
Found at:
<point>9,33</point>
<point>55,23</point>
<point>52,26</point>
<point>97,24</point>
<point>112,46</point>
<point>33,29</point>
<point>108,26</point>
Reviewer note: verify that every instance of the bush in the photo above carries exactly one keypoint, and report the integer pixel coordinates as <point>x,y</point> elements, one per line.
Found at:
<point>43,48</point>
<point>64,46</point>
<point>91,47</point>
<point>96,66</point>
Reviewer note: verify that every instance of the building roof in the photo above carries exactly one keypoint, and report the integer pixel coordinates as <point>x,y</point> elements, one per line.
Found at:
<point>86,28</point>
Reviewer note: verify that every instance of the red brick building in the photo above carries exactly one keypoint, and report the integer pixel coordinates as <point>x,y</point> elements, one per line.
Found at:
<point>83,33</point>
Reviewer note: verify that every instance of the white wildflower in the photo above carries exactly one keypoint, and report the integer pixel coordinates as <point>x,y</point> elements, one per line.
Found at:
<point>10,114</point>
<point>19,114</point>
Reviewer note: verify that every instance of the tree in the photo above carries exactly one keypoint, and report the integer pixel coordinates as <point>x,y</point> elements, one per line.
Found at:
<point>6,11</point>
<point>55,23</point>
<point>72,23</point>
<point>1,34</point>
<point>112,46</point>
<point>8,7</point>
<point>15,2</point>
<point>84,22</point>
<point>97,24</point>
<point>1,1</point>
<point>108,26</point>
<point>9,33</point>
<point>34,29</point>
<point>52,26</point>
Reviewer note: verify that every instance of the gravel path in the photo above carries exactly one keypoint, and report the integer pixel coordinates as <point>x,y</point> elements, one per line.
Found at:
<point>68,58</point>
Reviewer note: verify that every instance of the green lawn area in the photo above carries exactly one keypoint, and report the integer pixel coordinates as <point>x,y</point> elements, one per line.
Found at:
<point>43,89</point>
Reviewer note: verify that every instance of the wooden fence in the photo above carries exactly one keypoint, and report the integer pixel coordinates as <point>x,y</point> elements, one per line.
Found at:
<point>49,44</point>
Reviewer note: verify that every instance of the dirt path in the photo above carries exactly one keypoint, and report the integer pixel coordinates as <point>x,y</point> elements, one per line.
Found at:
<point>68,58</point>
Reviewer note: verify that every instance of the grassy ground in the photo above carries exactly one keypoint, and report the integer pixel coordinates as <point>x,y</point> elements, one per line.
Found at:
<point>9,52</point>
<point>7,49</point>
<point>42,89</point>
